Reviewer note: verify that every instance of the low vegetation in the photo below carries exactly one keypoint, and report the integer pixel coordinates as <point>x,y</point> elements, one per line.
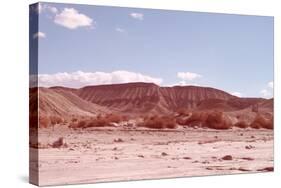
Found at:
<point>159,122</point>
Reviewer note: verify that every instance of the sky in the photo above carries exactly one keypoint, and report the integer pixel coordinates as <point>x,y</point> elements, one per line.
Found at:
<point>83,45</point>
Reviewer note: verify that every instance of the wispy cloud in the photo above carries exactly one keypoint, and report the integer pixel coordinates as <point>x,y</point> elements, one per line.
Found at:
<point>268,91</point>
<point>138,16</point>
<point>270,84</point>
<point>189,76</point>
<point>120,30</point>
<point>79,78</point>
<point>72,19</point>
<point>41,7</point>
<point>39,35</point>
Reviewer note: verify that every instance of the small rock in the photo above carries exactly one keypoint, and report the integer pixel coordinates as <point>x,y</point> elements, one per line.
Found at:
<point>187,158</point>
<point>118,140</point>
<point>267,169</point>
<point>141,156</point>
<point>227,158</point>
<point>249,147</point>
<point>247,158</point>
<point>164,154</point>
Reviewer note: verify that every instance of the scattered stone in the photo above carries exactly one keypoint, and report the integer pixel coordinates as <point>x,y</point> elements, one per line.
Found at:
<point>187,158</point>
<point>195,161</point>
<point>243,169</point>
<point>164,154</point>
<point>141,156</point>
<point>71,149</point>
<point>114,149</point>
<point>249,147</point>
<point>253,136</point>
<point>118,140</point>
<point>209,168</point>
<point>227,158</point>
<point>247,158</point>
<point>266,169</point>
<point>116,158</point>
<point>241,134</point>
<point>59,143</point>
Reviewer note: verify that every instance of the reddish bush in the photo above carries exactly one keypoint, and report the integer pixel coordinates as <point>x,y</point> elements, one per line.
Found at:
<point>217,120</point>
<point>114,118</point>
<point>55,120</point>
<point>241,124</point>
<point>159,122</point>
<point>262,122</point>
<point>44,121</point>
<point>196,119</point>
<point>182,112</point>
<point>82,124</point>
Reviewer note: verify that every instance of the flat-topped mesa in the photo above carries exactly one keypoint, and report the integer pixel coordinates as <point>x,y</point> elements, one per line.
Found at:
<point>145,97</point>
<point>140,98</point>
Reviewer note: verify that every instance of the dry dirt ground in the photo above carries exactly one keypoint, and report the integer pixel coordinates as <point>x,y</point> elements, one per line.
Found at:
<point>114,154</point>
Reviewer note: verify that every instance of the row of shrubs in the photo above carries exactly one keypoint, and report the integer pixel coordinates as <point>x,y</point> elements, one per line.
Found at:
<point>98,121</point>
<point>214,120</point>
<point>218,120</point>
<point>47,121</point>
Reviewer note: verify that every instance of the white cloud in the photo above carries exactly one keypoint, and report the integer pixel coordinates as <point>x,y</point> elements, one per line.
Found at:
<point>138,16</point>
<point>41,7</point>
<point>118,29</point>
<point>237,94</point>
<point>72,19</point>
<point>80,79</point>
<point>265,93</point>
<point>39,35</point>
<point>270,84</point>
<point>188,75</point>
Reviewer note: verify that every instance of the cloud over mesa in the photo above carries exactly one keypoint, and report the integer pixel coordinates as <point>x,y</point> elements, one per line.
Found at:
<point>80,79</point>
<point>189,76</point>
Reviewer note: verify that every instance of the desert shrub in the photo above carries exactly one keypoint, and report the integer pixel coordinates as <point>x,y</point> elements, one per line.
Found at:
<point>82,123</point>
<point>182,112</point>
<point>55,120</point>
<point>44,121</point>
<point>262,122</point>
<point>74,119</point>
<point>217,120</point>
<point>241,124</point>
<point>114,118</point>
<point>97,122</point>
<point>159,122</point>
<point>196,119</point>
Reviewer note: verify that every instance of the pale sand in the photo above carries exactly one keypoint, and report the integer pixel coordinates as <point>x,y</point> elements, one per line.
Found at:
<point>92,155</point>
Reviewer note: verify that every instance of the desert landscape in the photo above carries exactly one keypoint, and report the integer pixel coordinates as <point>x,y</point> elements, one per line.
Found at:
<point>144,131</point>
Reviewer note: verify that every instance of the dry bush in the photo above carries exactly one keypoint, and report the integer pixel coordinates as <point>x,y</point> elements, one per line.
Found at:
<point>55,120</point>
<point>82,123</point>
<point>241,124</point>
<point>74,119</point>
<point>44,121</point>
<point>196,119</point>
<point>217,120</point>
<point>159,122</point>
<point>262,122</point>
<point>113,118</point>
<point>182,112</point>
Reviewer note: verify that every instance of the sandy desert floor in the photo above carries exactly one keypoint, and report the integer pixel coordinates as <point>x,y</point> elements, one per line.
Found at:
<point>114,154</point>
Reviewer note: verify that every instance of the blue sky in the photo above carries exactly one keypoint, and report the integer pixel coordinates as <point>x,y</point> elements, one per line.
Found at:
<point>99,44</point>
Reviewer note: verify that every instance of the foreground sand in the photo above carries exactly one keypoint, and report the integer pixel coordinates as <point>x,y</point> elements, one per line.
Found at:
<point>113,154</point>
